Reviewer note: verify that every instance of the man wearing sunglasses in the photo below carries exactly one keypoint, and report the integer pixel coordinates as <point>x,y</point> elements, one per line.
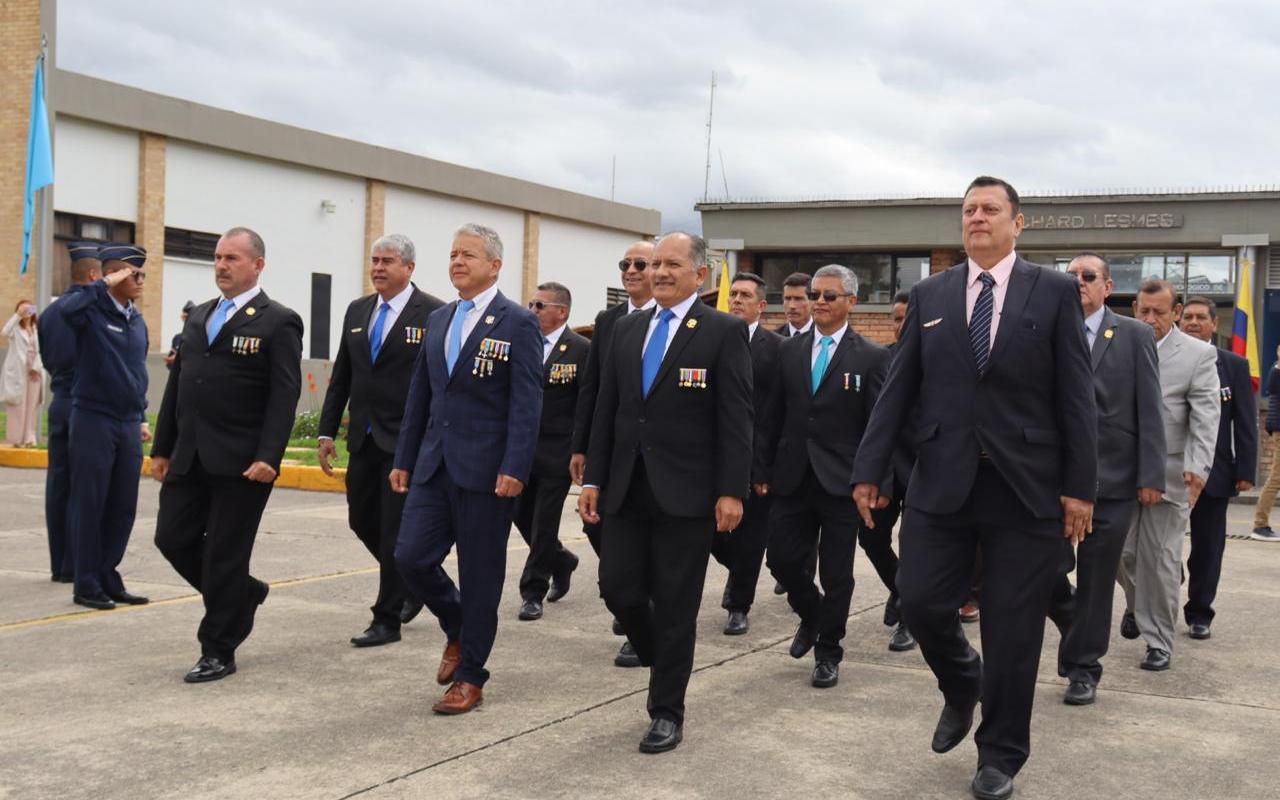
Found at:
<point>994,351</point>
<point>108,423</point>
<point>827,383</point>
<point>637,281</point>
<point>539,507</point>
<point>1126,387</point>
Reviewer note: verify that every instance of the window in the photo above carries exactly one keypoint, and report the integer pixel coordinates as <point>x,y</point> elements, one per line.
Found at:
<point>1206,273</point>
<point>195,245</point>
<point>880,275</point>
<point>614,296</point>
<point>76,227</point>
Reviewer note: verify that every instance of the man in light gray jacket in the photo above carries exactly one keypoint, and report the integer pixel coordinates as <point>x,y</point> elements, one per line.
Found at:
<point>1151,567</point>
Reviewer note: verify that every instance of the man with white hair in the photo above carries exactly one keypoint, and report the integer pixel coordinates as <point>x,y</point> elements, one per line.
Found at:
<point>382,334</point>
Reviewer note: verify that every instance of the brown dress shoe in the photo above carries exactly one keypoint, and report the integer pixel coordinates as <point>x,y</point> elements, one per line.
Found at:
<point>449,663</point>
<point>461,698</point>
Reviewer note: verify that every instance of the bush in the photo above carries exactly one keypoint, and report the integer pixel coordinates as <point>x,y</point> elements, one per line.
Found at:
<point>306,425</point>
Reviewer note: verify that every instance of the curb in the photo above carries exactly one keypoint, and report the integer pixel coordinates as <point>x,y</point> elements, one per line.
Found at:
<point>307,479</point>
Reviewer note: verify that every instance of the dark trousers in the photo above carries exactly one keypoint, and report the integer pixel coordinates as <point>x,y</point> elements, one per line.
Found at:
<point>1097,562</point>
<point>537,517</point>
<point>652,569</point>
<point>798,522</point>
<point>106,465</point>
<point>1020,556</point>
<point>437,515</point>
<point>741,551</point>
<point>206,528</point>
<point>373,511</point>
<point>877,543</point>
<point>1204,566</point>
<point>592,531</point>
<point>57,488</point>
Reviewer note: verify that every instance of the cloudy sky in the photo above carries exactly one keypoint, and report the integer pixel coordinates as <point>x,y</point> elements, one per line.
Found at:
<point>814,99</point>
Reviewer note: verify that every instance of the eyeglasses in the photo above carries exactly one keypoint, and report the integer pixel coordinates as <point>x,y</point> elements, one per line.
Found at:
<point>138,276</point>
<point>1087,277</point>
<point>538,305</point>
<point>638,263</point>
<point>829,295</point>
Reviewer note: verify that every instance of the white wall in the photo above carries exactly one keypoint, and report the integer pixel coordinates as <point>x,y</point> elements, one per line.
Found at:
<point>212,190</point>
<point>430,220</point>
<point>584,258</point>
<point>95,169</point>
<point>184,280</point>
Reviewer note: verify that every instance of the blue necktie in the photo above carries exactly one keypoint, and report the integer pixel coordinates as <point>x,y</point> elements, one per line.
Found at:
<point>980,322</point>
<point>220,318</point>
<point>657,348</point>
<point>455,333</point>
<point>375,339</point>
<point>546,352</point>
<point>820,366</point>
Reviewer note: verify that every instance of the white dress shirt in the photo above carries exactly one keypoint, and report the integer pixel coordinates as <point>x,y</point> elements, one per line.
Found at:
<point>126,309</point>
<point>797,331</point>
<point>831,349</point>
<point>469,322</point>
<point>1091,324</point>
<point>241,300</point>
<point>751,330</point>
<point>549,342</point>
<point>680,309</point>
<point>396,304</point>
<point>1001,272</point>
<point>632,307</point>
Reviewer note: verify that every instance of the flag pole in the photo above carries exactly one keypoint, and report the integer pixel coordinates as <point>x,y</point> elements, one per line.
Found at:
<point>44,276</point>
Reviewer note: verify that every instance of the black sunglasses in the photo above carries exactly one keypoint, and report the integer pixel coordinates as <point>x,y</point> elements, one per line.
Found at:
<point>638,263</point>
<point>538,305</point>
<point>829,295</point>
<point>1087,277</point>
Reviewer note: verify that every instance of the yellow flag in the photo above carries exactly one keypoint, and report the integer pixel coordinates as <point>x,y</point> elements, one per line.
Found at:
<point>722,299</point>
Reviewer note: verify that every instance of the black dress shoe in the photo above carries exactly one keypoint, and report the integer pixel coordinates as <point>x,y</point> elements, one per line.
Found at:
<point>617,628</point>
<point>892,615</point>
<point>626,656</point>
<point>62,578</point>
<point>1129,626</point>
<point>663,735</point>
<point>99,601</point>
<point>826,674</point>
<point>778,588</point>
<point>560,585</point>
<point>376,634</point>
<point>530,610</point>
<point>991,784</point>
<point>953,726</point>
<point>409,610</point>
<point>902,640</point>
<point>1157,660</point>
<point>737,624</point>
<point>129,598</point>
<point>1199,630</point>
<point>209,668</point>
<point>803,641</point>
<point>1080,693</point>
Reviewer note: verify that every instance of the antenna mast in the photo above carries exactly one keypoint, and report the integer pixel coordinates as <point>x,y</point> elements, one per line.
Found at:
<point>706,180</point>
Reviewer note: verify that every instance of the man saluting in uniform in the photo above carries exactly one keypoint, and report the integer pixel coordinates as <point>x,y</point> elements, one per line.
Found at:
<point>225,419</point>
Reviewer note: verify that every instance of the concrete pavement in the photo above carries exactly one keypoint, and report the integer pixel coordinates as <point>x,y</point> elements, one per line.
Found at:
<point>92,704</point>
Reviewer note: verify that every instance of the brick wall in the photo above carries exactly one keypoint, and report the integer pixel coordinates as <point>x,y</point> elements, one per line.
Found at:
<point>20,21</point>
<point>941,259</point>
<point>150,232</point>
<point>876,326</point>
<point>375,221</point>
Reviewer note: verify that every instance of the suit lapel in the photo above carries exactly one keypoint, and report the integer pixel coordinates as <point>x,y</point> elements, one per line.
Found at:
<point>683,334</point>
<point>395,337</point>
<point>200,317</point>
<point>493,315</point>
<point>1021,281</point>
<point>846,344</point>
<point>243,316</point>
<point>954,308</point>
<point>364,312</point>
<point>1102,341</point>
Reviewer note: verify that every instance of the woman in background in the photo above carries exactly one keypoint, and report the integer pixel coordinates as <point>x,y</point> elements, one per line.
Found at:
<point>21,381</point>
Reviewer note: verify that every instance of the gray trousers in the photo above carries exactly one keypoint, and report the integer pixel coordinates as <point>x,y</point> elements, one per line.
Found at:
<point>1151,570</point>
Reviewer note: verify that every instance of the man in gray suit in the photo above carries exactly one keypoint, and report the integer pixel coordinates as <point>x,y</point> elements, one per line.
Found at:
<point>1131,465</point>
<point>1151,567</point>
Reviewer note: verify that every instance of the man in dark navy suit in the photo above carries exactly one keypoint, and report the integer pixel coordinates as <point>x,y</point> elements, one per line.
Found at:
<point>58,354</point>
<point>224,422</point>
<point>994,351</point>
<point>382,334</point>
<point>669,466</point>
<point>796,306</point>
<point>550,566</point>
<point>1235,464</point>
<point>464,454</point>
<point>741,550</point>
<point>637,280</point>
<point>827,383</point>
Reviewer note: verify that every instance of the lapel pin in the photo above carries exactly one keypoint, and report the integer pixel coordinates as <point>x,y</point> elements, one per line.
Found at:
<point>488,320</point>
<point>691,324</point>
<point>857,383</point>
<point>250,311</point>
<point>1108,333</point>
<point>846,381</point>
<point>356,330</point>
<point>932,322</point>
<point>564,347</point>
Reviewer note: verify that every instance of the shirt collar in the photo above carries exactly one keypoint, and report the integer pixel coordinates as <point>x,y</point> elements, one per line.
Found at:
<point>835,337</point>
<point>555,335</point>
<point>1165,338</point>
<point>1001,271</point>
<point>1094,321</point>
<point>241,300</point>
<point>483,299</point>
<point>751,330</point>
<point>123,308</point>
<point>398,302</point>
<point>632,307</point>
<point>797,331</point>
<point>681,309</point>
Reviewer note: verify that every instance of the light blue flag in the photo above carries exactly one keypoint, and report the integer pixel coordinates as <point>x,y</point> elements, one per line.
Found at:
<point>39,160</point>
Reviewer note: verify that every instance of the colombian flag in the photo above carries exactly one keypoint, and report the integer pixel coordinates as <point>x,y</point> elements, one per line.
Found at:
<point>722,297</point>
<point>1244,340</point>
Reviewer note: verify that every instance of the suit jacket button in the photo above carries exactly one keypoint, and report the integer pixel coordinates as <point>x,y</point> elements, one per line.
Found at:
<point>642,420</point>
<point>446,423</point>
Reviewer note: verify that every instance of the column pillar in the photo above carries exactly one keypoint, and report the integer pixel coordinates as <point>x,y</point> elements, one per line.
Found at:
<point>529,262</point>
<point>20,20</point>
<point>375,223</point>
<point>150,232</point>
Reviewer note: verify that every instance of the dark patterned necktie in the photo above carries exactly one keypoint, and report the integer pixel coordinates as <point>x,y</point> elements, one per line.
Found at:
<point>980,322</point>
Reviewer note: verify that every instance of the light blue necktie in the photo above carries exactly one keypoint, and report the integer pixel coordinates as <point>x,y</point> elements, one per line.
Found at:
<point>455,332</point>
<point>820,366</point>
<point>220,318</point>
<point>545,343</point>
<point>652,358</point>
<point>375,338</point>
